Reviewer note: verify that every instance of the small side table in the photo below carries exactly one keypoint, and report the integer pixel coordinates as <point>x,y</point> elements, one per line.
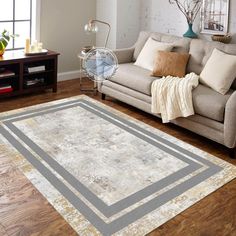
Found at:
<point>81,77</point>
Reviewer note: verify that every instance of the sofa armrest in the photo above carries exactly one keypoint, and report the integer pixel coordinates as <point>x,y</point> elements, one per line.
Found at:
<point>124,55</point>
<point>230,122</point>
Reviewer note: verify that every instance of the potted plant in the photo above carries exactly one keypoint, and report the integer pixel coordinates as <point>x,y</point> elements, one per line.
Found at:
<point>4,40</point>
<point>190,9</point>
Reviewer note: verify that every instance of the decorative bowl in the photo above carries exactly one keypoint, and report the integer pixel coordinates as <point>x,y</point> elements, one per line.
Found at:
<point>222,38</point>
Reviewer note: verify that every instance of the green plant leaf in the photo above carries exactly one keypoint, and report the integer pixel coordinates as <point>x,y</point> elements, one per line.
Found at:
<point>4,42</point>
<point>1,46</point>
<point>14,35</point>
<point>6,37</point>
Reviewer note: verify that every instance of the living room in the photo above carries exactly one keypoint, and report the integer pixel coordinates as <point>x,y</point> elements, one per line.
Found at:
<point>118,117</point>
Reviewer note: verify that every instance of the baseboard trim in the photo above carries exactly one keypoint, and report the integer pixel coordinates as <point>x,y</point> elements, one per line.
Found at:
<point>69,75</point>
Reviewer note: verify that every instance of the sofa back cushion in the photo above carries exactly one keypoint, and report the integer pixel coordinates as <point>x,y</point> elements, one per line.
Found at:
<point>146,58</point>
<point>201,50</point>
<point>180,44</point>
<point>142,39</point>
<point>219,72</point>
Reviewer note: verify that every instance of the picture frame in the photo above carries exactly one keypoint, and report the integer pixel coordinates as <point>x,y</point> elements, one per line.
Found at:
<point>215,17</point>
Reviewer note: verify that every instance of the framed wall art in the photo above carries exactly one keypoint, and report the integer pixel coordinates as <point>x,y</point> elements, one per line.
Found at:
<point>215,17</point>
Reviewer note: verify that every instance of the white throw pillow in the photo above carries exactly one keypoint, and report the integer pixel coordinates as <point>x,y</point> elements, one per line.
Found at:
<point>146,58</point>
<point>219,72</point>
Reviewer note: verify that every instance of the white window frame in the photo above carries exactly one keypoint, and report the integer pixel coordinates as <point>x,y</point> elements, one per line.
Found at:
<point>34,22</point>
<point>36,15</point>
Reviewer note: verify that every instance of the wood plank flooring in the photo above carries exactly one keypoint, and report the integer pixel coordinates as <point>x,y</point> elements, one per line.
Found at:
<point>25,212</point>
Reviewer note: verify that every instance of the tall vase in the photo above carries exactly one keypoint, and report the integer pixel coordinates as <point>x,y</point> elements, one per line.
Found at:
<point>190,33</point>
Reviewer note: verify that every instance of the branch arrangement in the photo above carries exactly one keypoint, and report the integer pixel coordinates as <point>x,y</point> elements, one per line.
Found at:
<point>189,8</point>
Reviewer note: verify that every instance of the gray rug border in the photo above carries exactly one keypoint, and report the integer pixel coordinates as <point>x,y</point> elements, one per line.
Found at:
<point>125,220</point>
<point>106,210</point>
<point>35,110</point>
<point>108,229</point>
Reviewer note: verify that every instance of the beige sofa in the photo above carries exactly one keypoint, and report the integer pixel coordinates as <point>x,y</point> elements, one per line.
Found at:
<point>215,116</point>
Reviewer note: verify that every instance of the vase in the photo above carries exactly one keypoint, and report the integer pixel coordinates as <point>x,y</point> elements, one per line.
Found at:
<point>190,33</point>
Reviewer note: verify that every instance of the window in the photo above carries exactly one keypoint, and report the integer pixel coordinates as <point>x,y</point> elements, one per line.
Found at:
<point>19,17</point>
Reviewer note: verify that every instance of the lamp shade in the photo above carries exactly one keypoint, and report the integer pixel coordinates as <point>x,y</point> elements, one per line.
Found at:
<point>91,28</point>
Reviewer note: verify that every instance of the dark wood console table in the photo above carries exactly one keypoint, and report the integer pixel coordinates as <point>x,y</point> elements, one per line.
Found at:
<point>17,75</point>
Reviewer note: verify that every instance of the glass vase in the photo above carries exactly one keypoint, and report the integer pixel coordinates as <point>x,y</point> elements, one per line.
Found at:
<point>190,33</point>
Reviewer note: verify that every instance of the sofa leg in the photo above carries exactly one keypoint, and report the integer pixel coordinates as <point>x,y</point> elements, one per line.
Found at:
<point>232,153</point>
<point>103,96</point>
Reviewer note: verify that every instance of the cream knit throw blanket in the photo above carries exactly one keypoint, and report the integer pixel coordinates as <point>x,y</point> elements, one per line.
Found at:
<point>172,96</point>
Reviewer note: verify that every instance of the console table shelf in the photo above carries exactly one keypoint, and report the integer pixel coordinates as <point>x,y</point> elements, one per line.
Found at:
<point>22,81</point>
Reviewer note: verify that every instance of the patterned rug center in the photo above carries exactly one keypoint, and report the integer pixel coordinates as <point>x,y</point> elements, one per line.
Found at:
<point>108,160</point>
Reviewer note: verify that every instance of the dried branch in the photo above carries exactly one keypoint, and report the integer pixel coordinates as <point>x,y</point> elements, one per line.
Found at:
<point>189,8</point>
<point>196,12</point>
<point>180,6</point>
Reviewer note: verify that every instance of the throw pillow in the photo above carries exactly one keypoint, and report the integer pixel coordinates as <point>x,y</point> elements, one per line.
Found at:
<point>146,57</point>
<point>219,72</point>
<point>170,63</point>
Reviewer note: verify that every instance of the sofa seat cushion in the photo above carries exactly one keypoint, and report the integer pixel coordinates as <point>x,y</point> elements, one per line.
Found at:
<point>206,102</point>
<point>209,103</point>
<point>134,77</point>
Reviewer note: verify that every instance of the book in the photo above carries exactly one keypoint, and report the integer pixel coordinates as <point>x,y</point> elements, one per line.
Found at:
<point>6,73</point>
<point>34,81</point>
<point>5,86</point>
<point>6,90</point>
<point>35,69</point>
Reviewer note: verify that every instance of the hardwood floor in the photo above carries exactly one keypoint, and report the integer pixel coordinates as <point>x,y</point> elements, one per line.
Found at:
<point>24,211</point>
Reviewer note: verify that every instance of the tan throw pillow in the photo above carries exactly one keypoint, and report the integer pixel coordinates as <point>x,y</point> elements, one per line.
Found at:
<point>170,63</point>
<point>146,57</point>
<point>219,72</point>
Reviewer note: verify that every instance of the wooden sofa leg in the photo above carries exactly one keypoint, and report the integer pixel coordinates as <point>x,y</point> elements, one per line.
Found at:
<point>232,153</point>
<point>103,96</point>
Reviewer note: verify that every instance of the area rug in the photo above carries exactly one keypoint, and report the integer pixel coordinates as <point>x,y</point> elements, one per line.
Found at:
<point>105,172</point>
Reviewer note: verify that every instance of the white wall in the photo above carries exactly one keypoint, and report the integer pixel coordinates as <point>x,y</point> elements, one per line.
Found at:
<point>62,29</point>
<point>128,22</point>
<point>106,11</point>
<point>124,17</point>
<point>62,24</point>
<point>160,16</point>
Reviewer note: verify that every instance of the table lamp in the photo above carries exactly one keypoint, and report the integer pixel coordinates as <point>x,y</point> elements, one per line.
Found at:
<point>92,27</point>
